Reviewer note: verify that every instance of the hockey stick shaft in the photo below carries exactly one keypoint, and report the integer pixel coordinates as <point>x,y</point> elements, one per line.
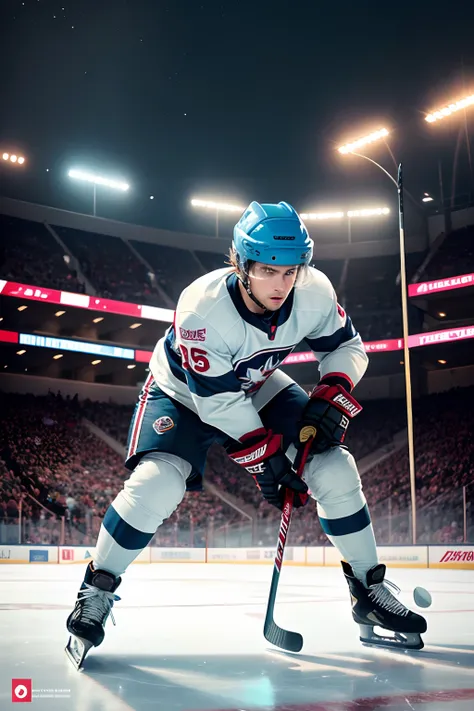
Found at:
<point>299,464</point>
<point>285,639</point>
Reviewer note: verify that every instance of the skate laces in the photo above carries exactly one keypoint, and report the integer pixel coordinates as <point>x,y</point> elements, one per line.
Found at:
<point>98,603</point>
<point>383,595</point>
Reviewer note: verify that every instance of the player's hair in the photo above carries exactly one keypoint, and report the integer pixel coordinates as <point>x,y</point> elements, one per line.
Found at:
<point>232,261</point>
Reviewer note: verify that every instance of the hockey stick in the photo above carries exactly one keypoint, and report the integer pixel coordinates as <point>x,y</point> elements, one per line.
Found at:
<point>285,639</point>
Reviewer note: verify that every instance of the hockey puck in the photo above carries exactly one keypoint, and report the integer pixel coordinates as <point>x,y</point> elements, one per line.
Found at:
<point>422,597</point>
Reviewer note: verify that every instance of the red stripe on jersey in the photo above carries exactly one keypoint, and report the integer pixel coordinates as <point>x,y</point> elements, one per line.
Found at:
<point>137,425</point>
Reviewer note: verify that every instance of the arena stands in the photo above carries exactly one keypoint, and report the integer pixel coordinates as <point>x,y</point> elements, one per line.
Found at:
<point>29,254</point>
<point>174,268</point>
<point>50,458</point>
<point>455,256</point>
<point>110,265</point>
<point>62,466</point>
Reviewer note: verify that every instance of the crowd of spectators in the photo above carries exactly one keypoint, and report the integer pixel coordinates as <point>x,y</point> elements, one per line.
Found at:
<point>60,469</point>
<point>51,460</point>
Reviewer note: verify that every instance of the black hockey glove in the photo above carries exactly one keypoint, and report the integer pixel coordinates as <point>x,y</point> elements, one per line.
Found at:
<point>329,410</point>
<point>262,456</point>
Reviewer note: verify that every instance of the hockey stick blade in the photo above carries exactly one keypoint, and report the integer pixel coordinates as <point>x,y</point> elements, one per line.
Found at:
<point>285,639</point>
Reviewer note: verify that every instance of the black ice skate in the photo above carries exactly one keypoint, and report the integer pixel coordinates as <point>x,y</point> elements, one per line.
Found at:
<point>86,622</point>
<point>375,605</point>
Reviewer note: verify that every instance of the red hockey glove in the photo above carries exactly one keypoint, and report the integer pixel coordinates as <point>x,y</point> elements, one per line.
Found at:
<point>262,456</point>
<point>329,410</point>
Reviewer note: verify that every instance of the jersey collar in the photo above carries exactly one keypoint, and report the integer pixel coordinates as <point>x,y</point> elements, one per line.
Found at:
<point>266,323</point>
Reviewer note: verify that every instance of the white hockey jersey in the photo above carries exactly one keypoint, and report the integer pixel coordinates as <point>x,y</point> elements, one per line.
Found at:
<point>217,354</point>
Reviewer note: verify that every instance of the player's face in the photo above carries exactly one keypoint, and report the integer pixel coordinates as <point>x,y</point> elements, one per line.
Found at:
<point>271,284</point>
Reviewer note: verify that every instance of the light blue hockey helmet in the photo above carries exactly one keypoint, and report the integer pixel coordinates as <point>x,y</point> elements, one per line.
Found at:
<point>272,234</point>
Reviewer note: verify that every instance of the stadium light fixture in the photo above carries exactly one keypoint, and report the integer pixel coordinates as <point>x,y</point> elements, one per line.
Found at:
<point>13,158</point>
<point>365,212</point>
<point>364,141</point>
<point>449,109</point>
<point>369,212</point>
<point>321,215</point>
<point>218,207</point>
<point>96,180</point>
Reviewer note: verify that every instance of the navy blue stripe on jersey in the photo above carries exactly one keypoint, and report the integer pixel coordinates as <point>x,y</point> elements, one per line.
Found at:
<point>174,360</point>
<point>328,344</point>
<point>125,535</point>
<point>347,524</point>
<point>206,386</point>
<point>201,385</point>
<point>261,321</point>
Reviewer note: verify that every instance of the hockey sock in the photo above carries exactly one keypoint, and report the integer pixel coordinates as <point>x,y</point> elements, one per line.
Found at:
<point>352,535</point>
<point>150,495</point>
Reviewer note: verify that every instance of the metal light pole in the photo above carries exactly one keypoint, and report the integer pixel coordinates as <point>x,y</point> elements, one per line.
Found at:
<point>97,180</point>
<point>217,206</point>
<point>406,352</point>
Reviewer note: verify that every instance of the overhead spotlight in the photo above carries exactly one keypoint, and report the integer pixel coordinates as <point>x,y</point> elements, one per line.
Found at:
<point>442,361</point>
<point>135,325</point>
<point>441,314</point>
<point>98,319</point>
<point>131,366</point>
<point>95,362</point>
<point>59,313</point>
<point>21,352</point>
<point>22,308</point>
<point>57,356</point>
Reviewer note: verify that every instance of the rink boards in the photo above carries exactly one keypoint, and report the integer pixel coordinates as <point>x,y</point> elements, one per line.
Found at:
<point>456,556</point>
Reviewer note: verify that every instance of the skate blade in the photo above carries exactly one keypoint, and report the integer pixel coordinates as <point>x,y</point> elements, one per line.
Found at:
<point>399,640</point>
<point>76,650</point>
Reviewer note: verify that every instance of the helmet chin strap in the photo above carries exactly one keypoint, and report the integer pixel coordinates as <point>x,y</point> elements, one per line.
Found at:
<point>244,280</point>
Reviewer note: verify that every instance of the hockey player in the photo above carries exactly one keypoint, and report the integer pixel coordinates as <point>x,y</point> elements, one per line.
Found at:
<point>214,377</point>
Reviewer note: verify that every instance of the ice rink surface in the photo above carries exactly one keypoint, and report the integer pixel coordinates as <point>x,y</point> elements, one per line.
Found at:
<point>189,636</point>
